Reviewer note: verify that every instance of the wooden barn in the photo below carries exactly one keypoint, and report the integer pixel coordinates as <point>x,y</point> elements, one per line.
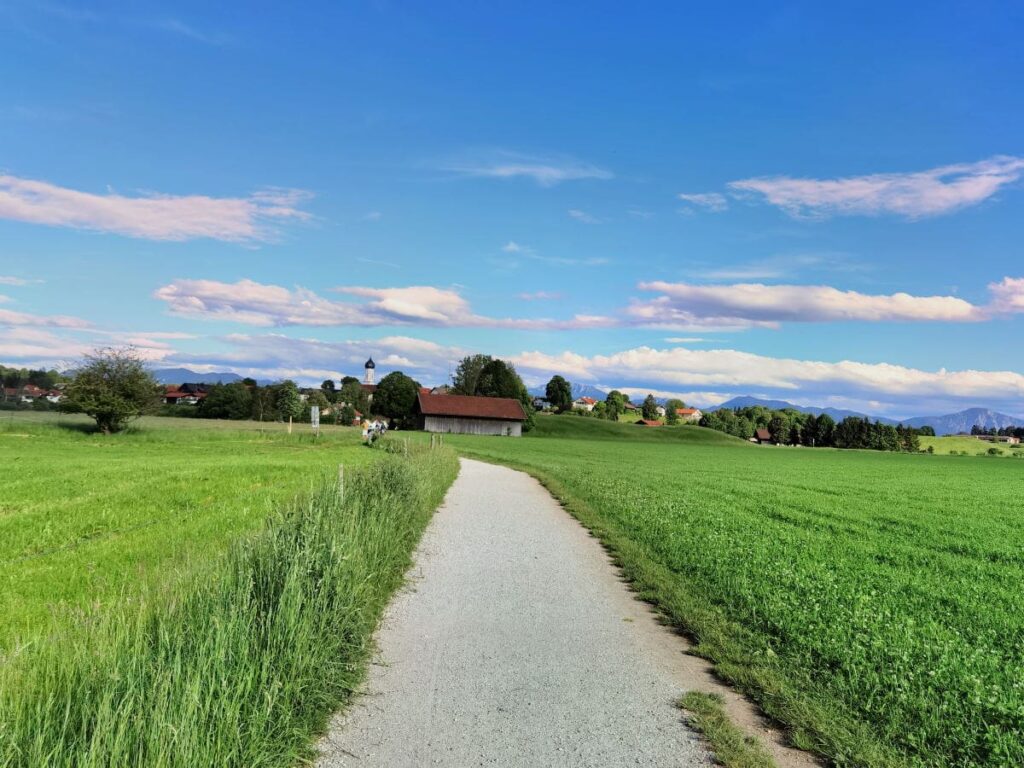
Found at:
<point>465,415</point>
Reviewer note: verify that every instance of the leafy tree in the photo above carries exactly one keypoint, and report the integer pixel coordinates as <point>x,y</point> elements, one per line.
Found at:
<point>352,393</point>
<point>600,410</point>
<point>329,390</point>
<point>499,379</point>
<point>318,398</point>
<point>615,404</point>
<point>559,393</point>
<point>346,415</point>
<point>671,417</point>
<point>349,380</point>
<point>226,401</point>
<point>466,379</point>
<point>649,409</point>
<point>395,398</point>
<point>262,403</point>
<point>287,403</point>
<point>112,386</point>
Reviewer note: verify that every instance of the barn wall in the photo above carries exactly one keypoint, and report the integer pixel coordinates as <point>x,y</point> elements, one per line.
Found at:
<point>465,426</point>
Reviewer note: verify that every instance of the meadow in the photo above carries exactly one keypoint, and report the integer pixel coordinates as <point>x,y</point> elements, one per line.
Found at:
<point>871,602</point>
<point>239,592</point>
<point>969,446</point>
<point>86,518</point>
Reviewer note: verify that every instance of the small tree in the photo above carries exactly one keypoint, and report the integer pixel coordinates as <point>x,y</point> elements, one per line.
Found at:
<point>558,392</point>
<point>329,390</point>
<point>615,405</point>
<point>112,386</point>
<point>352,393</point>
<point>226,401</point>
<point>650,408</point>
<point>395,398</point>
<point>287,403</point>
<point>674,404</point>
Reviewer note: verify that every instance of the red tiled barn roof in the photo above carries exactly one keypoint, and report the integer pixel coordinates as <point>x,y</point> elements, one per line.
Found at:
<point>471,407</point>
<point>686,411</point>
<point>649,423</point>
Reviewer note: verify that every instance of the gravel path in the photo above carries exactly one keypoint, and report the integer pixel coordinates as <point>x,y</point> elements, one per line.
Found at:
<point>516,644</point>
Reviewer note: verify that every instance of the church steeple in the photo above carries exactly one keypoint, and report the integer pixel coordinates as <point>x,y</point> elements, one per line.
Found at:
<point>369,368</point>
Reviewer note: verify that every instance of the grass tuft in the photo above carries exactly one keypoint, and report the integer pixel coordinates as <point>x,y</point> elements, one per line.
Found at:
<point>732,748</point>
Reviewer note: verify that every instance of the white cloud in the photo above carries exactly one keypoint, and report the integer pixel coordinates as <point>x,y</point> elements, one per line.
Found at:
<point>513,247</point>
<point>1007,295</point>
<point>247,301</point>
<point>712,202</point>
<point>582,216</point>
<point>545,171</point>
<point>151,216</point>
<point>913,195</point>
<point>680,369</point>
<point>757,303</point>
<point>16,281</point>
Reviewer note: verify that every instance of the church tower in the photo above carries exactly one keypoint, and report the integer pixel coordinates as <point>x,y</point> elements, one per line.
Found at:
<point>369,368</point>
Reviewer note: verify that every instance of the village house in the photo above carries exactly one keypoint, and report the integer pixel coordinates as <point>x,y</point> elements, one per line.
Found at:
<point>584,404</point>
<point>762,437</point>
<point>689,415</point>
<point>468,415</point>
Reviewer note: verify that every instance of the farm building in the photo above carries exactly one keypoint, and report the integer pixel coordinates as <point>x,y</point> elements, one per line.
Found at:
<point>466,415</point>
<point>584,403</point>
<point>762,436</point>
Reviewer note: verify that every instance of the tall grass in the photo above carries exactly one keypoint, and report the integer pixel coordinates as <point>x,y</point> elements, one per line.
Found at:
<point>243,666</point>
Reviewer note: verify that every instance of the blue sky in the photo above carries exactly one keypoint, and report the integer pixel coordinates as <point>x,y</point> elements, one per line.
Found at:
<point>822,204</point>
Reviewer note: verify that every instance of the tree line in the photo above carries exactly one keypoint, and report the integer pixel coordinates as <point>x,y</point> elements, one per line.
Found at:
<point>1017,432</point>
<point>792,427</point>
<point>558,393</point>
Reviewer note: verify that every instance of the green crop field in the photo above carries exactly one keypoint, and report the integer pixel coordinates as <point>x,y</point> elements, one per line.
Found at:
<point>873,602</point>
<point>84,518</point>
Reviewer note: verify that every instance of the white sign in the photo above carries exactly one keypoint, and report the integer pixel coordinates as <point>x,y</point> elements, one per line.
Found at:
<point>314,417</point>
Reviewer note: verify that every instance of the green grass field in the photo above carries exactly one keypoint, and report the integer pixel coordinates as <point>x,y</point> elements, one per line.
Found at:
<point>872,602</point>
<point>248,587</point>
<point>85,518</point>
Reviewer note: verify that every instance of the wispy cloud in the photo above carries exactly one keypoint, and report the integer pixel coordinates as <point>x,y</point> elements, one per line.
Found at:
<point>713,202</point>
<point>582,216</point>
<point>541,296</point>
<point>152,216</point>
<point>760,304</point>
<point>373,216</point>
<point>912,195</point>
<point>527,252</point>
<point>17,281</point>
<point>253,303</point>
<point>10,318</point>
<point>178,27</point>
<point>639,213</point>
<point>545,171</point>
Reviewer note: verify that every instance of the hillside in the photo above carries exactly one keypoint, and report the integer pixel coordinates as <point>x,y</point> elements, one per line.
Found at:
<point>953,423</point>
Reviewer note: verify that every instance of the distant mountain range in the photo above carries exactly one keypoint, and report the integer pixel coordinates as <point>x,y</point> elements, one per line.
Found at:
<point>187,376</point>
<point>836,413</point>
<point>578,390</point>
<point>950,424</point>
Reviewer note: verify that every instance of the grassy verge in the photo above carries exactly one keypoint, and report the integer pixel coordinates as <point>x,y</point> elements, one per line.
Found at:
<point>731,747</point>
<point>242,666</point>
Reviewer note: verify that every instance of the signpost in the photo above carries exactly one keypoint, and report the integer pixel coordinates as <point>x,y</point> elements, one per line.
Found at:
<point>314,419</point>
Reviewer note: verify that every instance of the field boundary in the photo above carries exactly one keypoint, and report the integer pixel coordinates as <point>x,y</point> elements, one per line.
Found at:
<point>806,723</point>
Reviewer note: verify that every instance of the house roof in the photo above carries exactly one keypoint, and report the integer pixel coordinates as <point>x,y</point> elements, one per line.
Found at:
<point>763,434</point>
<point>471,407</point>
<point>649,423</point>
<point>371,388</point>
<point>687,411</point>
<point>587,400</point>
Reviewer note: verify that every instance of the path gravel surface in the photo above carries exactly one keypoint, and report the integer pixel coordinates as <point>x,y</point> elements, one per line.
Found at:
<point>516,644</point>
